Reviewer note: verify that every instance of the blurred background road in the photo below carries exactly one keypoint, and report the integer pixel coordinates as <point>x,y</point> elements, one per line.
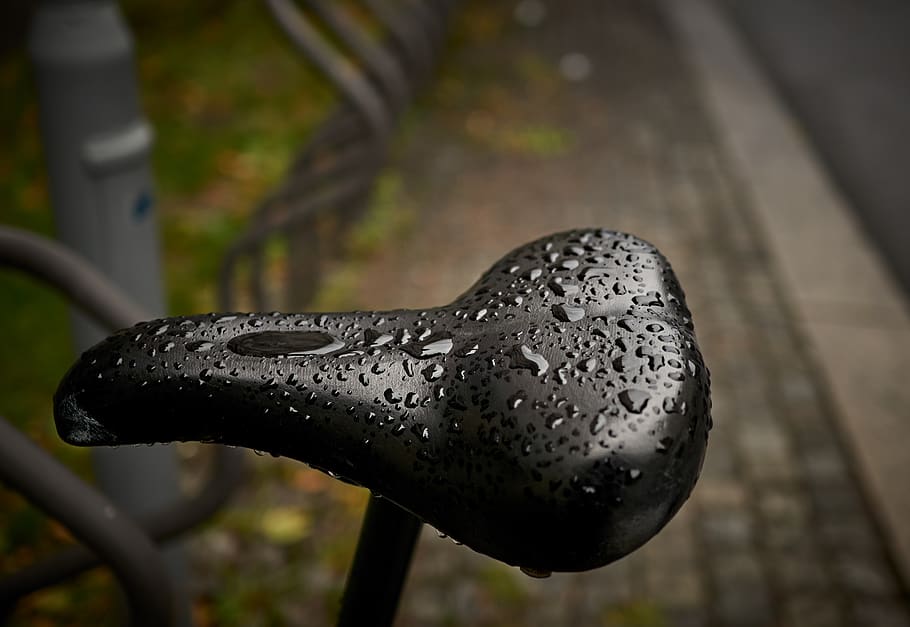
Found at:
<point>843,68</point>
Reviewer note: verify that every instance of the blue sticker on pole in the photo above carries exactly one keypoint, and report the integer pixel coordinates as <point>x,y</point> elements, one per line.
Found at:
<point>143,205</point>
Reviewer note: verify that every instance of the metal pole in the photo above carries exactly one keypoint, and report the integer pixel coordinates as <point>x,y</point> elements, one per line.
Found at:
<point>93,520</point>
<point>97,145</point>
<point>384,551</point>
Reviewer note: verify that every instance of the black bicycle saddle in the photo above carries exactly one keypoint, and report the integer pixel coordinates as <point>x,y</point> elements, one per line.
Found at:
<point>554,417</point>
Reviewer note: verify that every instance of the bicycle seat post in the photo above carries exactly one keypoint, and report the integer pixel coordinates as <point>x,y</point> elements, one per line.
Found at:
<point>378,572</point>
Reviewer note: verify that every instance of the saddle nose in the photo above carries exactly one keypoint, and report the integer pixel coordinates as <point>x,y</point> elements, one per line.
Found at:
<point>554,417</point>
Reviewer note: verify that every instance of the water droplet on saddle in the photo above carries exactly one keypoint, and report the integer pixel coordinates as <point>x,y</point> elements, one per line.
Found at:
<point>432,372</point>
<point>592,272</point>
<point>634,400</point>
<point>535,573</point>
<point>599,423</point>
<point>199,346</point>
<point>561,288</point>
<point>567,313</point>
<point>285,344</point>
<point>431,348</point>
<point>517,399</point>
<point>651,299</point>
<point>374,338</point>
<point>523,358</point>
<point>206,374</point>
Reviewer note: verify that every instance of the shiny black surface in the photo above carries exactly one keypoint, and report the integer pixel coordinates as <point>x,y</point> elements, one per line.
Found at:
<point>554,417</point>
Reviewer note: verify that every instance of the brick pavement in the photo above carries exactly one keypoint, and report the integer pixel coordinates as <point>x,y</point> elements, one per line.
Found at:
<point>777,531</point>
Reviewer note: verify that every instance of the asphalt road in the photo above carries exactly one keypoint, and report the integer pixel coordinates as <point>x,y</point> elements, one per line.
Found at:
<point>843,66</point>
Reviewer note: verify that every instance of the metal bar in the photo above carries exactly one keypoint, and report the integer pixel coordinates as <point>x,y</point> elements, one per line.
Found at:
<point>92,519</point>
<point>342,163</point>
<point>432,21</point>
<point>376,60</point>
<point>413,44</point>
<point>226,473</point>
<point>87,288</point>
<point>261,231</point>
<point>303,233</point>
<point>347,163</point>
<point>387,540</point>
<point>338,70</point>
<point>97,145</point>
<point>59,266</point>
<point>343,129</point>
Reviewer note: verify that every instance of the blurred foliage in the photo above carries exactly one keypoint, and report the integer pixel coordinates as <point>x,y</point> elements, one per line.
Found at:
<point>503,585</point>
<point>641,614</point>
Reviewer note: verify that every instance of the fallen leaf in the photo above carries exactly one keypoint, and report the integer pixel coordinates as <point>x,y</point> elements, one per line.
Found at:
<point>285,525</point>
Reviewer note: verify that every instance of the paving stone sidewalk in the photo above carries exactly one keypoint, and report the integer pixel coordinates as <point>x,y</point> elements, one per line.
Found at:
<point>587,115</point>
<point>560,115</point>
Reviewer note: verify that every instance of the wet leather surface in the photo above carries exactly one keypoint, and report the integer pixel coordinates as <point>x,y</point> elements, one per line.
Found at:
<point>554,417</point>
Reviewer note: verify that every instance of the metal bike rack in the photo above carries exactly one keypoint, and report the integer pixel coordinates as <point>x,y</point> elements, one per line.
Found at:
<point>59,267</point>
<point>336,168</point>
<point>92,519</point>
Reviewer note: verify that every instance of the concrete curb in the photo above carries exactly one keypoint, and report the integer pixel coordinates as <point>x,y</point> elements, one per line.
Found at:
<point>850,310</point>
